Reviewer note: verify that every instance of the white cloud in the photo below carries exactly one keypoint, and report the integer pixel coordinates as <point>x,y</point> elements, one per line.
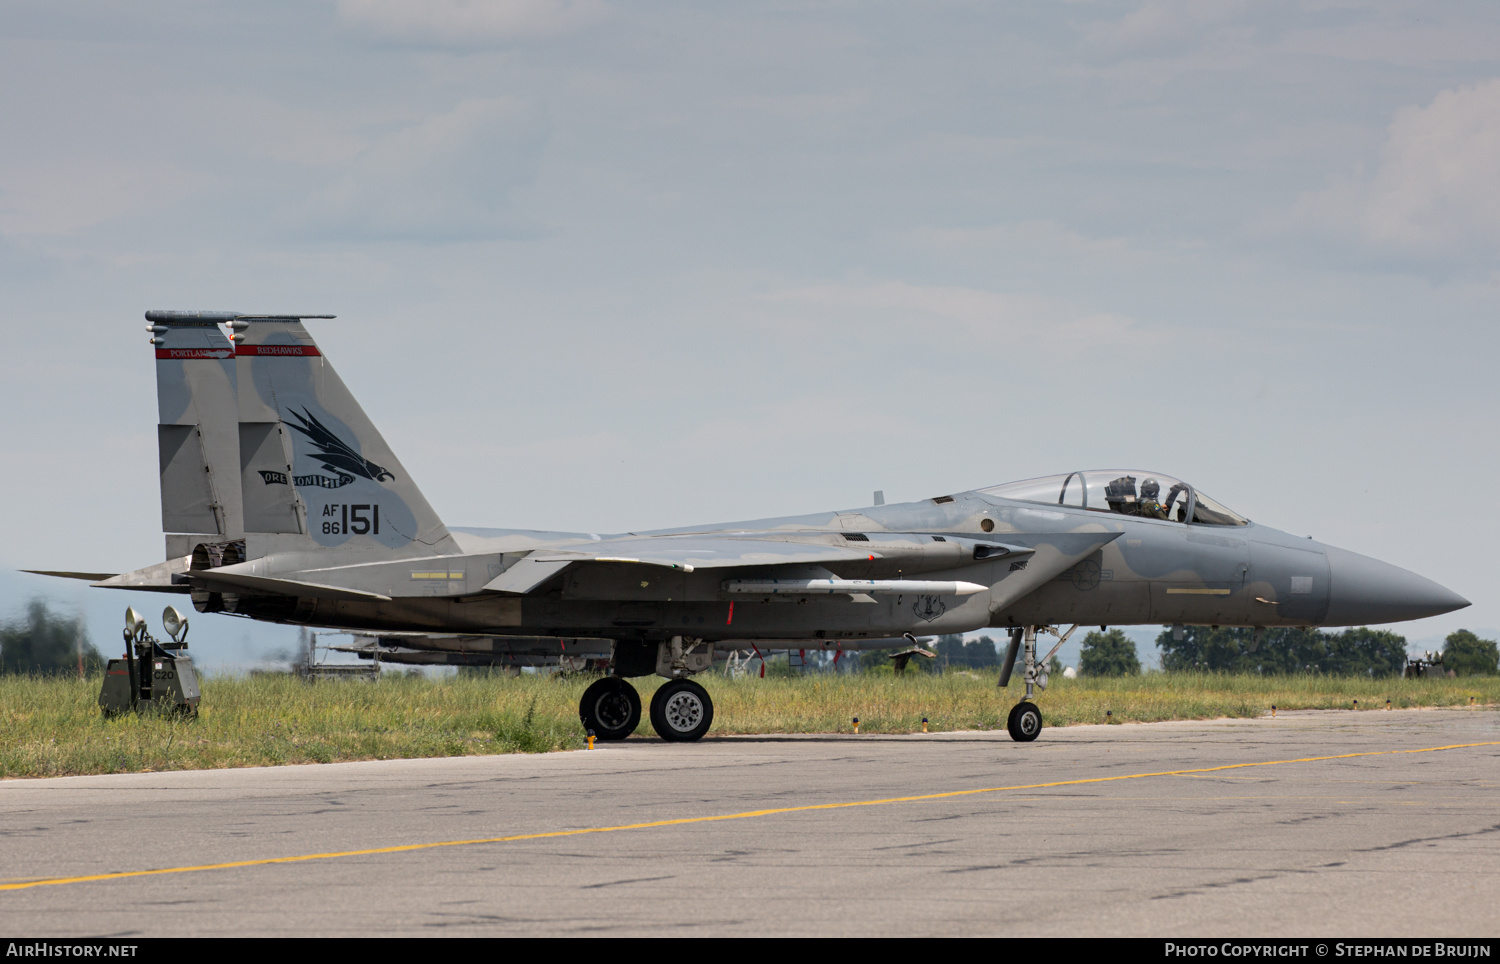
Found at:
<point>450,177</point>
<point>470,22</point>
<point>1434,192</point>
<point>1437,185</point>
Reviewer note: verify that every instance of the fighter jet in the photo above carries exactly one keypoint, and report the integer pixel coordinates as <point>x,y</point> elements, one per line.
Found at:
<point>282,502</point>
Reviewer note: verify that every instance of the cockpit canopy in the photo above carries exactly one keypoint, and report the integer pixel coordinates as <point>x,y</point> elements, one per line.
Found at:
<point>1148,495</point>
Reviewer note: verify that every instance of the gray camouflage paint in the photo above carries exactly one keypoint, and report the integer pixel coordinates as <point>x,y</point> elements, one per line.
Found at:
<point>196,434</point>
<point>1042,564</point>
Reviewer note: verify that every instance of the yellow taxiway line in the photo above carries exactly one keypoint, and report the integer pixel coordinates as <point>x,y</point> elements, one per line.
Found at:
<point>682,821</point>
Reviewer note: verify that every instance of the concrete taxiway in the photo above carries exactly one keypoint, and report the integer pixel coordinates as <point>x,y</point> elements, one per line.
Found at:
<point>1309,824</point>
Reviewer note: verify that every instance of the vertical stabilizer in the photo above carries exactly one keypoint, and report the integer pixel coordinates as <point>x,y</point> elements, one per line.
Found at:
<point>197,403</point>
<point>314,470</point>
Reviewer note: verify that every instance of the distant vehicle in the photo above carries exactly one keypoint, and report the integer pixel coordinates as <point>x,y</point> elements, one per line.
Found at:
<point>1430,664</point>
<point>282,502</point>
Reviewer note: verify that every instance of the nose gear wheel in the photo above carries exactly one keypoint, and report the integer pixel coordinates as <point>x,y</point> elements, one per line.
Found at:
<point>1025,722</point>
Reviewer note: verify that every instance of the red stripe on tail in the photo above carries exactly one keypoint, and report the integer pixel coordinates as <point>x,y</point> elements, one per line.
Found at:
<point>276,350</point>
<point>171,353</point>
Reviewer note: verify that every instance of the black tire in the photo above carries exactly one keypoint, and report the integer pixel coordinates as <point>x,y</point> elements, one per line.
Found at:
<point>1025,723</point>
<point>611,708</point>
<point>681,711</point>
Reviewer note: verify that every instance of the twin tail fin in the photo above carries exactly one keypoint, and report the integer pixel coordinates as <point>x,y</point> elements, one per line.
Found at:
<point>285,460</point>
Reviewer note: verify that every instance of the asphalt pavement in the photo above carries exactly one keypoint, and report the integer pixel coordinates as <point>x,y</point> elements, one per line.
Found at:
<point>1359,824</point>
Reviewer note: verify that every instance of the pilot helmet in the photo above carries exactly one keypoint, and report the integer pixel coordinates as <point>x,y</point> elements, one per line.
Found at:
<point>1150,489</point>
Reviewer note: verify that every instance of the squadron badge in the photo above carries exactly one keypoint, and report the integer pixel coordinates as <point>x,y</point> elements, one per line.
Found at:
<point>928,608</point>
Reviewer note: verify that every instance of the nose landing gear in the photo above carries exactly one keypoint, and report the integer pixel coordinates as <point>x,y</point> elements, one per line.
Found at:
<point>1025,721</point>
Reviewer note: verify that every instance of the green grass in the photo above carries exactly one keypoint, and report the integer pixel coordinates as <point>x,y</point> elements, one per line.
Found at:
<point>970,700</point>
<point>52,727</point>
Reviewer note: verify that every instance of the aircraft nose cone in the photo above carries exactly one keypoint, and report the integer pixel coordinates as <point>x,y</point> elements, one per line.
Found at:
<point>1365,591</point>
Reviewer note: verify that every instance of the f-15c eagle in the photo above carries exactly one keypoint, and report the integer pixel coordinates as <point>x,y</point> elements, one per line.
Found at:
<point>282,502</point>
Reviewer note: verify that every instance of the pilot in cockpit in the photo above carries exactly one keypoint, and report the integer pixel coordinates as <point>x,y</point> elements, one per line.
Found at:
<point>1148,507</point>
<point>1120,496</point>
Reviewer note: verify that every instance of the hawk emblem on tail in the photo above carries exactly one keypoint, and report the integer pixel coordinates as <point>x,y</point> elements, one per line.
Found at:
<point>336,454</point>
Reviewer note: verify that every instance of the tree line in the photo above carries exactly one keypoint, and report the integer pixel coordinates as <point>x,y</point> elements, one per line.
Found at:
<point>46,644</point>
<point>1281,652</point>
<point>1278,652</point>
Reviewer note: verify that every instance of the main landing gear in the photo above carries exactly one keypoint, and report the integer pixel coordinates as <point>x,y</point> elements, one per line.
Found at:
<point>681,710</point>
<point>611,708</point>
<point>1025,721</point>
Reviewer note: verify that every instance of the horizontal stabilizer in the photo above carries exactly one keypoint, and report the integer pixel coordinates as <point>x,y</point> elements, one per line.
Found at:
<point>161,577</point>
<point>88,576</point>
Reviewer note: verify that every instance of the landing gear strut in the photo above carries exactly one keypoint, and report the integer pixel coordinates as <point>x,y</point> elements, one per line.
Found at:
<point>1025,721</point>
<point>611,708</point>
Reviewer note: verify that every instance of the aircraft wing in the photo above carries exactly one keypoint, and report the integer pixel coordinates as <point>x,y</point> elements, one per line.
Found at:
<point>705,552</point>
<point>672,552</point>
<point>1051,558</point>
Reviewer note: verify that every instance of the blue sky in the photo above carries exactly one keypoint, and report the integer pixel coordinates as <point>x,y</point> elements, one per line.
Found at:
<point>606,266</point>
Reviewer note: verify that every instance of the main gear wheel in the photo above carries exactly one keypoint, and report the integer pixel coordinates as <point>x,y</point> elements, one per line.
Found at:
<point>681,711</point>
<point>611,708</point>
